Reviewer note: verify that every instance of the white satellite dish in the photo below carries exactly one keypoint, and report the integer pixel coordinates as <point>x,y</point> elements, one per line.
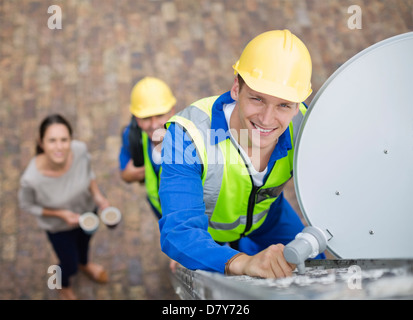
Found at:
<point>353,167</point>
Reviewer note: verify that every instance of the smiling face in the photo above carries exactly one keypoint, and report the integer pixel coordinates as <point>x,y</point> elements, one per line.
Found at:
<point>265,117</point>
<point>154,123</point>
<point>56,143</point>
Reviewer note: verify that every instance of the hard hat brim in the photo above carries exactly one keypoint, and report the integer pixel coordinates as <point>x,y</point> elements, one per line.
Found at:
<point>145,113</point>
<point>274,89</point>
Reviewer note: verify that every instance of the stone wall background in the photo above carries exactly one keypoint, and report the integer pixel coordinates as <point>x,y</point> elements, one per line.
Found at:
<point>86,71</point>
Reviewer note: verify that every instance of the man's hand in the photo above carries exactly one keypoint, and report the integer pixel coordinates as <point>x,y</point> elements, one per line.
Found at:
<point>131,173</point>
<point>269,263</point>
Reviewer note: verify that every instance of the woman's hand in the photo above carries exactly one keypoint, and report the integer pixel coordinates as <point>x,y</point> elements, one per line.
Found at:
<point>101,201</point>
<point>98,197</point>
<point>71,218</point>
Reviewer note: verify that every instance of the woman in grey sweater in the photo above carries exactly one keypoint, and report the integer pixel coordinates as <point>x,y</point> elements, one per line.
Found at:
<point>57,186</point>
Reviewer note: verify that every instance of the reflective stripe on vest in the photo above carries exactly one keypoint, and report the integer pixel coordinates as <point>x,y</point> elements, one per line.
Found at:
<point>151,178</point>
<point>229,193</point>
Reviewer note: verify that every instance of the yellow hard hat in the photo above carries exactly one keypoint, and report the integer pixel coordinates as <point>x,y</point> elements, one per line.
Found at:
<point>277,63</point>
<point>151,97</point>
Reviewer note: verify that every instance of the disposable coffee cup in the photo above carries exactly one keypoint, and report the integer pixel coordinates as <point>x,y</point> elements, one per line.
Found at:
<point>111,216</point>
<point>89,222</point>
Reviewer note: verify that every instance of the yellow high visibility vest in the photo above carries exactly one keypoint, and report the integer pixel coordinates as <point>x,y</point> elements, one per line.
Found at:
<point>235,207</point>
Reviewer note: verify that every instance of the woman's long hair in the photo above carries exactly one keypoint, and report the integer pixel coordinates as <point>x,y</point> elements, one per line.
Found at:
<point>47,122</point>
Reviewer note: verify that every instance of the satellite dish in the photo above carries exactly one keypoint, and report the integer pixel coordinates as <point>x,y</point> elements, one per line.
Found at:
<point>353,168</point>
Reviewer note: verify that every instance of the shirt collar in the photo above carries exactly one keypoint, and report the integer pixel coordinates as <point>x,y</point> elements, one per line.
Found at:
<point>218,122</point>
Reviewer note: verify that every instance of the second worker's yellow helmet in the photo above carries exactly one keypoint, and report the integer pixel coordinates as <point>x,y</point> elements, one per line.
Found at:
<point>277,63</point>
<point>151,97</point>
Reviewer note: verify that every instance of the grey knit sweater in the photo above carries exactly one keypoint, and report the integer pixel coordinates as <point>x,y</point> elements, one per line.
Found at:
<point>69,191</point>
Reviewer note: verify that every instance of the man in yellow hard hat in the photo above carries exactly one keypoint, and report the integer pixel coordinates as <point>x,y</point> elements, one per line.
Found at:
<point>226,160</point>
<point>152,104</point>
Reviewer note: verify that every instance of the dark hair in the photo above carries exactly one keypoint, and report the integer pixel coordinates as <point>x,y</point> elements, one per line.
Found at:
<point>46,123</point>
<point>240,81</point>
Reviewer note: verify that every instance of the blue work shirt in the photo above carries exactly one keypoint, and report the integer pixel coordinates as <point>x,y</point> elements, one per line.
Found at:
<point>125,157</point>
<point>184,224</point>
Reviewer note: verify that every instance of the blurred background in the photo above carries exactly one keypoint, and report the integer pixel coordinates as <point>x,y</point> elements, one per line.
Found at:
<point>86,70</point>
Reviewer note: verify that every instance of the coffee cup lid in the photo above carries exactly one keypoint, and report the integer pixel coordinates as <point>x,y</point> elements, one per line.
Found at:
<point>111,209</point>
<point>85,227</point>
